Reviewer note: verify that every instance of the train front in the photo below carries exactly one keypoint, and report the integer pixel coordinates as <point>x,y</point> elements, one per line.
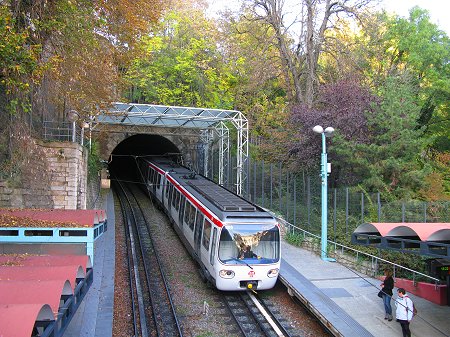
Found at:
<point>249,256</point>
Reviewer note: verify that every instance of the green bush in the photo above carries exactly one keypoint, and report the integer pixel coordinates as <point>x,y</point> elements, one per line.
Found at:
<point>294,238</point>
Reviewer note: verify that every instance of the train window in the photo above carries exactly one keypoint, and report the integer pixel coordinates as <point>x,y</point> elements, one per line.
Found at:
<point>206,234</point>
<point>167,189</point>
<point>150,178</point>
<point>189,215</point>
<point>174,196</point>
<point>213,245</point>
<point>176,200</point>
<point>187,210</point>
<point>181,212</point>
<point>198,220</point>
<point>158,182</point>
<point>192,218</point>
<point>263,241</point>
<point>170,193</point>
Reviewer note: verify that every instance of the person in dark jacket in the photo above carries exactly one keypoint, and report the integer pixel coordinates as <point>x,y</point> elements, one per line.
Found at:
<point>387,286</point>
<point>247,253</point>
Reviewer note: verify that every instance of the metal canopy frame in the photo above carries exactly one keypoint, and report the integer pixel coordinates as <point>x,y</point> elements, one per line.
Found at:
<point>202,123</point>
<point>404,245</point>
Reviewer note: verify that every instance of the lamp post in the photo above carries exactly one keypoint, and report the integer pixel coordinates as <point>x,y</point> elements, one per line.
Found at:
<point>74,117</point>
<point>325,168</point>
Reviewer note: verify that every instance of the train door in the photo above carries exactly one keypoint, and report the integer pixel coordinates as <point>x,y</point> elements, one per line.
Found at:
<point>198,233</point>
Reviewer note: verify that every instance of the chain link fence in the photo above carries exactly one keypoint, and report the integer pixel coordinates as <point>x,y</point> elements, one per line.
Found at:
<point>297,198</point>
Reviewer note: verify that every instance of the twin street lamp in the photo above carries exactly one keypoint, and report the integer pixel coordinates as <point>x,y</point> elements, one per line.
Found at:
<point>74,117</point>
<point>325,169</point>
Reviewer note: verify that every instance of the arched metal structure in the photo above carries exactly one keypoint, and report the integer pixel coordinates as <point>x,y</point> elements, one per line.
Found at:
<point>205,124</point>
<point>431,239</point>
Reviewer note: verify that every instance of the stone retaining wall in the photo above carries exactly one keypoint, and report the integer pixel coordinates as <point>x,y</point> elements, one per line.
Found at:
<point>55,177</point>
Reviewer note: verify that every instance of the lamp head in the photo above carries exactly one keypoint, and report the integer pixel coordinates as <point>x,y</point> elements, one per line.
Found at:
<point>73,115</point>
<point>329,131</point>
<point>318,129</point>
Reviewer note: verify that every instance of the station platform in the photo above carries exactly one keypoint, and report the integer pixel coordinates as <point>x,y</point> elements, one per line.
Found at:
<point>345,299</point>
<point>348,300</point>
<point>94,317</point>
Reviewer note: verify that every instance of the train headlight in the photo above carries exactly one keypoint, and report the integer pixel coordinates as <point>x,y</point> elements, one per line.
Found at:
<point>273,272</point>
<point>226,273</point>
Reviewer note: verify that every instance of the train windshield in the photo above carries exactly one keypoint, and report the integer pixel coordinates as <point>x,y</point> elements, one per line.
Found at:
<point>250,243</point>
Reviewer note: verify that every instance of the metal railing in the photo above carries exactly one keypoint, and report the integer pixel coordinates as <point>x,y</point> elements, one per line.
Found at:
<point>64,132</point>
<point>347,252</point>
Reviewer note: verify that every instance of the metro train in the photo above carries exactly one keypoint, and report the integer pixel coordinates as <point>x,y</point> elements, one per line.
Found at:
<point>236,243</point>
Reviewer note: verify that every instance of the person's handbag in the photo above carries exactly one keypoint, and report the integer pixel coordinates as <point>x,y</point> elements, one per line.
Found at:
<point>380,294</point>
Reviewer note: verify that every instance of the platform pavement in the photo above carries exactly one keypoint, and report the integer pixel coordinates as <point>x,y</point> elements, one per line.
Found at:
<point>94,317</point>
<point>356,294</point>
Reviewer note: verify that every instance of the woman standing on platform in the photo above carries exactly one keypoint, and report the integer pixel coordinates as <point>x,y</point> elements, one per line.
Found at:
<point>387,286</point>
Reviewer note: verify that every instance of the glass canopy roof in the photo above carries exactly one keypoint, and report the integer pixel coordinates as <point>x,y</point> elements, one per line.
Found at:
<point>181,121</point>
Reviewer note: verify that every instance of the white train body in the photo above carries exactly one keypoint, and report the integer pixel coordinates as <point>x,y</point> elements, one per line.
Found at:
<point>216,225</point>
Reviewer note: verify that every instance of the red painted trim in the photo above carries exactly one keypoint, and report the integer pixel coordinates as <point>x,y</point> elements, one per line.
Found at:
<point>156,168</point>
<point>208,215</point>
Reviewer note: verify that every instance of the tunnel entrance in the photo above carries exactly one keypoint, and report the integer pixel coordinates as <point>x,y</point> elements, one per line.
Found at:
<point>209,128</point>
<point>122,164</point>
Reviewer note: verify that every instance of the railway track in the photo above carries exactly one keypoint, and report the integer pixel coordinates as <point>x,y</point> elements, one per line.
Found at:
<point>243,316</point>
<point>254,317</point>
<point>153,311</point>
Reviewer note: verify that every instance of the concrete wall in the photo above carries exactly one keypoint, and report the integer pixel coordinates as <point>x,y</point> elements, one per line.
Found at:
<point>55,176</point>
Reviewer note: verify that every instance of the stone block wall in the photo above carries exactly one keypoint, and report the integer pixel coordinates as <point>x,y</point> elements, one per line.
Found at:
<point>55,177</point>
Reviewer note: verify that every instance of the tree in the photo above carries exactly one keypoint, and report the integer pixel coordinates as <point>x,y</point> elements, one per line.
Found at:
<point>180,63</point>
<point>260,89</point>
<point>345,105</point>
<point>424,51</point>
<point>301,48</point>
<point>60,55</point>
<point>391,160</point>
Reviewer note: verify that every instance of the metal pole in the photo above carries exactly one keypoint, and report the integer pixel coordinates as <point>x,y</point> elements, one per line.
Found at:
<point>271,186</point>
<point>254,181</point>
<point>287,196</point>
<point>346,210</point>
<point>334,213</point>
<point>279,191</point>
<point>379,206</point>
<point>362,207</point>
<point>262,183</point>
<point>425,211</point>
<point>324,175</point>
<point>403,212</point>
<point>82,137</point>
<point>74,132</point>
<point>308,200</point>
<point>295,199</point>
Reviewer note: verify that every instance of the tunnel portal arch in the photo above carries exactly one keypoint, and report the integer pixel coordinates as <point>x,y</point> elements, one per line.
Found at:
<point>193,131</point>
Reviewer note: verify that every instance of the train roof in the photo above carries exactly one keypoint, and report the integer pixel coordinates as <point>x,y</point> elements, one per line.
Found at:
<point>226,204</point>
